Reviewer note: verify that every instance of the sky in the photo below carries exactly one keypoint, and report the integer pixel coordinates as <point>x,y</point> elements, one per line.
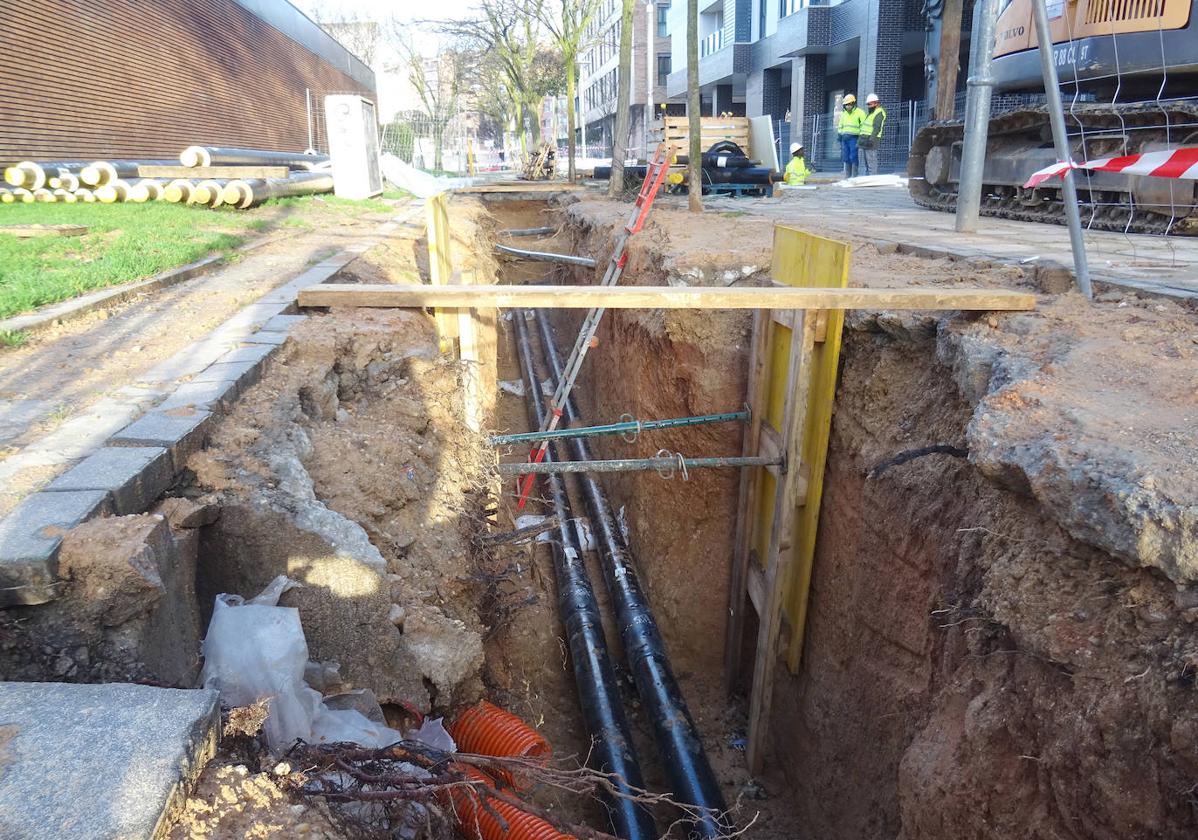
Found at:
<point>401,9</point>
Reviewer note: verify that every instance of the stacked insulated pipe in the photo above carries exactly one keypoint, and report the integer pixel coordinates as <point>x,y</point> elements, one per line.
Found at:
<point>682,754</point>
<point>598,690</point>
<point>218,156</point>
<point>254,191</point>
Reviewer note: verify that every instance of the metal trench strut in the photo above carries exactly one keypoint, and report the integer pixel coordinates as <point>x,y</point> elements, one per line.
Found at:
<point>624,427</point>
<point>682,755</point>
<point>660,463</point>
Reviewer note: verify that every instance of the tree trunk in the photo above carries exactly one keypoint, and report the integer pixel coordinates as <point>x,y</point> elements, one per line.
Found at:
<point>619,140</point>
<point>571,150</point>
<point>694,175</point>
<point>438,142</point>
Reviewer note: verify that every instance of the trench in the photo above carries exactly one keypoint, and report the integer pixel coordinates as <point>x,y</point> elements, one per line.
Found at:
<point>965,666</point>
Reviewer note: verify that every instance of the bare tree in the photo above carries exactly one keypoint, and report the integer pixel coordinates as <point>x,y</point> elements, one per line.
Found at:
<point>512,37</point>
<point>567,22</point>
<point>437,82</point>
<point>357,33</point>
<point>619,144</point>
<point>694,174</point>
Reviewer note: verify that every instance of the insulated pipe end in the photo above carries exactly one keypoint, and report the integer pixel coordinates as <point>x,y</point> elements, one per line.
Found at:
<point>44,195</point>
<point>138,194</point>
<point>7,197</point>
<point>236,194</point>
<point>90,175</point>
<point>86,196</point>
<point>200,195</point>
<point>194,156</point>
<point>23,195</point>
<point>14,176</point>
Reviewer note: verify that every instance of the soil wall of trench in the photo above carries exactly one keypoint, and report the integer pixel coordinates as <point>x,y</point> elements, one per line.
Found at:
<point>998,645</point>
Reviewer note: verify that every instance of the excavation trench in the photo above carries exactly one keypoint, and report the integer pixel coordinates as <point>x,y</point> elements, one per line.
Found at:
<point>999,640</point>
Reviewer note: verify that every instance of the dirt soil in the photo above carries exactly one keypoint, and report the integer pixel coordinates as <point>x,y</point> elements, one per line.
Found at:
<point>999,645</point>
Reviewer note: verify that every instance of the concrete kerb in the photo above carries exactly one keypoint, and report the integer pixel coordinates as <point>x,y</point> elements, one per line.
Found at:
<point>77,307</point>
<point>30,537</point>
<point>93,761</point>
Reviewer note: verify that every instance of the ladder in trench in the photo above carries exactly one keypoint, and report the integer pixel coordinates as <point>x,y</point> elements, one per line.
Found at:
<point>655,174</point>
<point>794,356</point>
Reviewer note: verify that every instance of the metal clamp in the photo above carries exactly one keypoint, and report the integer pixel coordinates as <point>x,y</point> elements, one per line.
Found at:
<point>634,435</point>
<point>667,472</point>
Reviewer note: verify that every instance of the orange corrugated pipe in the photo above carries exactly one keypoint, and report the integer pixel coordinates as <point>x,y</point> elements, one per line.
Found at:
<point>480,824</point>
<point>486,729</point>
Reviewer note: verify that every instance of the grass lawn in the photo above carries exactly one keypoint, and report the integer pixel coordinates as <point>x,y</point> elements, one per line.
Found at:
<point>127,242</point>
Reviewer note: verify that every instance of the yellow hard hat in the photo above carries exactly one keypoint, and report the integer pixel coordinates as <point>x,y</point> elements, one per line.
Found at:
<point>849,99</point>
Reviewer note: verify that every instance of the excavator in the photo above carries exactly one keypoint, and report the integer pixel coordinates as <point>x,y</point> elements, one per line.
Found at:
<point>1128,71</point>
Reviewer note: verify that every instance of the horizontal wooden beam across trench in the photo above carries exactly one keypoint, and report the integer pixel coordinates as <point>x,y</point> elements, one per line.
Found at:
<point>659,297</point>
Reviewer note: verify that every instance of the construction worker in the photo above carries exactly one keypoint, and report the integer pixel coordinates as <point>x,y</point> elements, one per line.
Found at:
<point>872,127</point>
<point>848,130</point>
<point>796,170</point>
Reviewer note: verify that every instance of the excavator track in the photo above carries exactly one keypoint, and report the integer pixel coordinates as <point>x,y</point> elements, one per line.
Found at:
<point>1116,130</point>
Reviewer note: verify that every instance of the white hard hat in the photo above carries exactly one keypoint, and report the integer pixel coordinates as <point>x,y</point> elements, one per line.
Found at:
<point>794,147</point>
<point>871,99</point>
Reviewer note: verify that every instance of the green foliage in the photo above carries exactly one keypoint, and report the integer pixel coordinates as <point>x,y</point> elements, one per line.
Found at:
<point>400,140</point>
<point>13,338</point>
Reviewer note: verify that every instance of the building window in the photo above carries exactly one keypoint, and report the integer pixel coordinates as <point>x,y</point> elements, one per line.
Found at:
<point>663,68</point>
<point>662,12</point>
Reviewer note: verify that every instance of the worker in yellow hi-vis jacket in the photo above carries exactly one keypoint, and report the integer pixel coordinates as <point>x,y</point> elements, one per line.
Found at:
<point>848,129</point>
<point>870,139</point>
<point>796,170</point>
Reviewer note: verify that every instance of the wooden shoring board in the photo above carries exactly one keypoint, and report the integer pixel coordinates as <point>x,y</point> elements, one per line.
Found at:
<point>385,295</point>
<point>791,387</point>
<point>215,172</point>
<point>29,231</point>
<point>440,263</point>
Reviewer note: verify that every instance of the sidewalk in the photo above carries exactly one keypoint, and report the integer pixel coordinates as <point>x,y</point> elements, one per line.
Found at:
<point>887,215</point>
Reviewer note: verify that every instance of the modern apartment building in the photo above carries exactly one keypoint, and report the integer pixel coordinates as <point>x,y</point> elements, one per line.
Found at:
<point>794,59</point>
<point>598,70</point>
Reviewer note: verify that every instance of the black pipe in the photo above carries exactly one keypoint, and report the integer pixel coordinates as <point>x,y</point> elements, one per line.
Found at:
<point>682,754</point>
<point>598,692</point>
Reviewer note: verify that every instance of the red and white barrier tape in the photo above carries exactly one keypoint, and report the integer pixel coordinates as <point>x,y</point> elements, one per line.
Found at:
<point>1175,163</point>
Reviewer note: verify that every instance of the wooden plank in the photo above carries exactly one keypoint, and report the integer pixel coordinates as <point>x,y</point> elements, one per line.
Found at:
<point>813,261</point>
<point>229,172</point>
<point>28,231</point>
<point>746,493</point>
<point>778,558</point>
<point>756,588</point>
<point>440,264</point>
<point>662,297</point>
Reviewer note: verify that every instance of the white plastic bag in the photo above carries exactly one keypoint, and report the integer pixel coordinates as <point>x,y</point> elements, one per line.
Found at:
<point>256,650</point>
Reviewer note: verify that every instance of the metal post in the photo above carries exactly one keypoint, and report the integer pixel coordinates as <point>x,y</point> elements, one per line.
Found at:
<point>1056,117</point>
<point>308,99</point>
<point>977,116</point>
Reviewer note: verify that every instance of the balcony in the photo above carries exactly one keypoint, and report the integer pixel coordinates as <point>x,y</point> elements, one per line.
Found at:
<point>789,7</point>
<point>712,43</point>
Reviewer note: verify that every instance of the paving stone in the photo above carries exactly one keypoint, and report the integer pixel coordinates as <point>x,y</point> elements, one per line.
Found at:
<point>257,353</point>
<point>203,395</point>
<point>30,536</point>
<point>182,431</point>
<point>283,323</point>
<point>134,476</point>
<point>267,337</point>
<point>96,762</point>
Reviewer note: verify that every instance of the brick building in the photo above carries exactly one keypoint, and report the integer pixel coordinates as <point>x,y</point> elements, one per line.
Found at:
<point>87,79</point>
<point>796,58</point>
<point>598,71</point>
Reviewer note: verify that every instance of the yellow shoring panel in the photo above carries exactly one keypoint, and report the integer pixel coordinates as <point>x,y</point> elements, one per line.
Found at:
<point>440,263</point>
<point>806,260</point>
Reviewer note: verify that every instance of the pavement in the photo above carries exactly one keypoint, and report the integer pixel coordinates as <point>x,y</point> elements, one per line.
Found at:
<point>1157,264</point>
<point>96,762</point>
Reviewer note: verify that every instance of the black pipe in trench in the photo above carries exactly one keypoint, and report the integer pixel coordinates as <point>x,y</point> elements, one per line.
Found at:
<point>682,754</point>
<point>598,690</point>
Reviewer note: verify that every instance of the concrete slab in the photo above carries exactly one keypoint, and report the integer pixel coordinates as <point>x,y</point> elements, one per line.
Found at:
<point>207,396</point>
<point>283,323</point>
<point>256,353</point>
<point>133,476</point>
<point>98,762</point>
<point>30,537</point>
<point>267,337</point>
<point>181,431</point>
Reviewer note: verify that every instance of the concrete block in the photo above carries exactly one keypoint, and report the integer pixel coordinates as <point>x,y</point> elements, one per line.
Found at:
<point>182,431</point>
<point>255,353</point>
<point>267,337</point>
<point>30,537</point>
<point>283,323</point>
<point>202,395</point>
<point>95,762</point>
<point>134,476</point>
